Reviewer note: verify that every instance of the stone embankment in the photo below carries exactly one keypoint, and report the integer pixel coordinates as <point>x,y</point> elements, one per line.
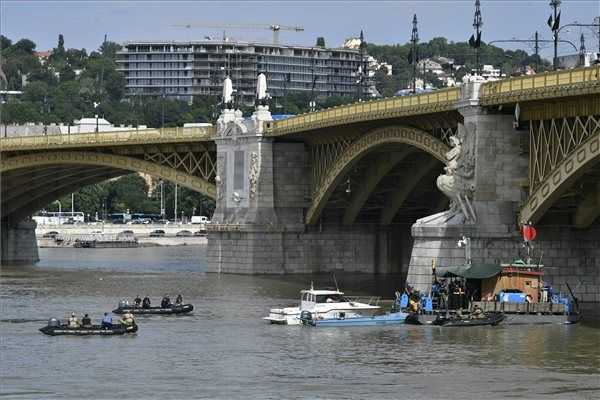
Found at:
<point>147,235</point>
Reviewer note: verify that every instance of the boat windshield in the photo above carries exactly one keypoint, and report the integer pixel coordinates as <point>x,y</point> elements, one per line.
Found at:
<point>330,298</point>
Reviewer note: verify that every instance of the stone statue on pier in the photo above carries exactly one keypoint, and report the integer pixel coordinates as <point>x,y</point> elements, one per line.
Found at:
<point>457,182</point>
<point>231,121</point>
<point>227,94</point>
<point>261,89</point>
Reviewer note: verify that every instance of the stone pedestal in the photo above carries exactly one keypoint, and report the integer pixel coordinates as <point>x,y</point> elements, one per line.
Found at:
<point>18,242</point>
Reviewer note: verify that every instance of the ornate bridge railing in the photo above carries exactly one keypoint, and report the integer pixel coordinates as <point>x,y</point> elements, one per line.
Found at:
<point>102,139</point>
<point>570,82</point>
<point>440,100</point>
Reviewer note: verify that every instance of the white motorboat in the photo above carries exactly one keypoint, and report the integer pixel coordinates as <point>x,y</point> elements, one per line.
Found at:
<point>321,304</point>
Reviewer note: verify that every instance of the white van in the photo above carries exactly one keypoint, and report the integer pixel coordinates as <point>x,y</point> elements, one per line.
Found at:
<point>200,220</point>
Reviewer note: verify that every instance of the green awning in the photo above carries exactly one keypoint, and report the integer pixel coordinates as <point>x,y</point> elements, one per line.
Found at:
<point>473,271</point>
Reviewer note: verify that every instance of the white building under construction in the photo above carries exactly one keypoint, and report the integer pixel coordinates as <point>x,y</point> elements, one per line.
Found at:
<point>185,69</point>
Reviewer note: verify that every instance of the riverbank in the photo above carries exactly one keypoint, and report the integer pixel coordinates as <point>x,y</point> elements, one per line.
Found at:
<point>142,242</point>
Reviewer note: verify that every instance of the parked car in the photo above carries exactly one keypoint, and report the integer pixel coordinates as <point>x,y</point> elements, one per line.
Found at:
<point>199,219</point>
<point>184,233</point>
<point>162,222</point>
<point>157,233</point>
<point>50,235</point>
<point>200,233</point>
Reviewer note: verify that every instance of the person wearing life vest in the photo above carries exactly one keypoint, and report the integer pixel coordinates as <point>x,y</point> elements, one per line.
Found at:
<point>137,301</point>
<point>73,321</point>
<point>179,300</point>
<point>146,302</point>
<point>127,319</point>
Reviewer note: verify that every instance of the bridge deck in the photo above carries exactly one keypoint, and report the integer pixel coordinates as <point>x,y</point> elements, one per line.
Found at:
<point>104,139</point>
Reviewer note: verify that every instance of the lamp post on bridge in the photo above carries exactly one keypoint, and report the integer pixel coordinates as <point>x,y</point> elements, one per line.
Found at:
<point>475,39</point>
<point>414,40</point>
<point>554,24</point>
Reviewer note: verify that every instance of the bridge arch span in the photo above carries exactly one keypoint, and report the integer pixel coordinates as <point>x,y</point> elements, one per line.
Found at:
<point>415,138</point>
<point>71,170</point>
<point>585,156</point>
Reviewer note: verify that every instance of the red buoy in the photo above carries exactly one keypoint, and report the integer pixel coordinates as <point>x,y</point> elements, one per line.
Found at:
<point>529,233</point>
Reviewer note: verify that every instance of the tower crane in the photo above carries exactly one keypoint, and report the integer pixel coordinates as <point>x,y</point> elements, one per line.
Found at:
<point>275,28</point>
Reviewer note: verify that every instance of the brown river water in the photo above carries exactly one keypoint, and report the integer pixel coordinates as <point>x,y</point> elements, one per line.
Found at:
<point>225,351</point>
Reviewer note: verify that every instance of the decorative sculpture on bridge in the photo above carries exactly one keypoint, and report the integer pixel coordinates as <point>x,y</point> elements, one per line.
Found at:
<point>457,182</point>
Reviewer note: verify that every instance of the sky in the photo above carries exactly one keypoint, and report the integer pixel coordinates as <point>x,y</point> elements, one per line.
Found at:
<point>84,23</point>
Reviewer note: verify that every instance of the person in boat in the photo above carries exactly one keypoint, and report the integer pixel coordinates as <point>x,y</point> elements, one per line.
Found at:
<point>146,302</point>
<point>477,312</point>
<point>73,321</point>
<point>86,321</point>
<point>166,302</point>
<point>137,301</point>
<point>127,319</point>
<point>107,321</point>
<point>179,300</point>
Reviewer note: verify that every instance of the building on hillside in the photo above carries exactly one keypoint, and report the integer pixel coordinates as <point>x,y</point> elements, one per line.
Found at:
<point>43,56</point>
<point>8,95</point>
<point>182,70</point>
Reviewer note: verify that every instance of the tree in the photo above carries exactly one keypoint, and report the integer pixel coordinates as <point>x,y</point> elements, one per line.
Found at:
<point>109,49</point>
<point>5,42</point>
<point>320,41</point>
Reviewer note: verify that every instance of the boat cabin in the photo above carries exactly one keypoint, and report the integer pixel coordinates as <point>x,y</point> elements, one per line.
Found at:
<point>309,298</point>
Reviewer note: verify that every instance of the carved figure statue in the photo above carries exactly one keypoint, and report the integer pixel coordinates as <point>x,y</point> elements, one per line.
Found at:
<point>253,174</point>
<point>456,182</point>
<point>228,93</point>
<point>261,88</point>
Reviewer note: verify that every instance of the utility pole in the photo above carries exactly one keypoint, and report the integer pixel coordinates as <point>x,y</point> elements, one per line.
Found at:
<point>175,211</point>
<point>363,66</point>
<point>537,51</point>
<point>554,24</point>
<point>582,51</point>
<point>414,40</point>
<point>162,200</point>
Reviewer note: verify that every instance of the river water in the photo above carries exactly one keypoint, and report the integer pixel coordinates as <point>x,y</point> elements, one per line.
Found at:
<point>225,351</point>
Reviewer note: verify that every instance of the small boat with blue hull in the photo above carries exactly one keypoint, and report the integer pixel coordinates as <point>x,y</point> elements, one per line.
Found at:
<point>352,319</point>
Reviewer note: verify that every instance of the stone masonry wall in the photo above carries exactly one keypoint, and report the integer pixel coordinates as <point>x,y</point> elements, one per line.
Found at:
<point>19,244</point>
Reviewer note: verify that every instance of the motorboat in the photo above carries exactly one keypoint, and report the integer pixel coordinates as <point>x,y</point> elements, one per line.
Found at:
<point>139,310</point>
<point>341,318</point>
<point>55,328</point>
<point>492,319</point>
<point>322,304</point>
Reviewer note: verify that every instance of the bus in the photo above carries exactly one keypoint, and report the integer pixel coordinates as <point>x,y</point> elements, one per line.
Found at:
<point>59,218</point>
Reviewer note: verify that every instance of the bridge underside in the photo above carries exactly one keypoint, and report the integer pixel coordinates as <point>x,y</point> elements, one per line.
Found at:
<point>32,180</point>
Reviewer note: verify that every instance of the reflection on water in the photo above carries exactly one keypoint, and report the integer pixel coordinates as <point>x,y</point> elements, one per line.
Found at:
<point>224,350</point>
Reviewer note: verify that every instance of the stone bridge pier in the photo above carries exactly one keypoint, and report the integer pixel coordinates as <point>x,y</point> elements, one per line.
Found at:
<point>18,242</point>
<point>263,191</point>
<point>493,166</point>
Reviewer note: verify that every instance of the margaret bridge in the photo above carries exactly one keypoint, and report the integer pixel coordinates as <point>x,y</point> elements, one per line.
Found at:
<point>380,186</point>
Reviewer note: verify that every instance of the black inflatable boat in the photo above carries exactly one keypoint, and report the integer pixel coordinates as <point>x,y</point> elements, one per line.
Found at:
<point>182,309</point>
<point>99,330</point>
<point>492,319</point>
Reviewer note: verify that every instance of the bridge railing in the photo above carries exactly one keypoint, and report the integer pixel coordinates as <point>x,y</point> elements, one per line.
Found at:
<point>374,109</point>
<point>141,136</point>
<point>497,90</point>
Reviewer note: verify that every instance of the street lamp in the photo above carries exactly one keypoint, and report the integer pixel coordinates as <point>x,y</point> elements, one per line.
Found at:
<point>554,24</point>
<point>96,111</point>
<point>414,39</point>
<point>59,210</point>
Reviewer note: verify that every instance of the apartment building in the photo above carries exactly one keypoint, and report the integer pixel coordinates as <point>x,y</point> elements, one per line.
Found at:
<point>184,69</point>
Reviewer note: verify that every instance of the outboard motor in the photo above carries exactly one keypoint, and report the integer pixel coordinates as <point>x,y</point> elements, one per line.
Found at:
<point>123,304</point>
<point>306,316</point>
<point>53,322</point>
